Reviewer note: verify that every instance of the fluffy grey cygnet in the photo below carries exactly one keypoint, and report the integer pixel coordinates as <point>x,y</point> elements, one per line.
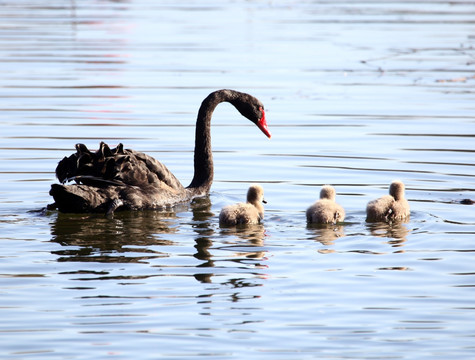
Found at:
<point>392,207</point>
<point>326,210</point>
<point>250,212</point>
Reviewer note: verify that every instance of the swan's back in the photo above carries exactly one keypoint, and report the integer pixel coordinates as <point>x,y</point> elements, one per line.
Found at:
<point>326,210</point>
<point>117,166</point>
<point>117,177</point>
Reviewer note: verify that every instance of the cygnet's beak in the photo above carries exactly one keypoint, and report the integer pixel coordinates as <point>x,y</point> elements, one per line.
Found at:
<point>264,201</point>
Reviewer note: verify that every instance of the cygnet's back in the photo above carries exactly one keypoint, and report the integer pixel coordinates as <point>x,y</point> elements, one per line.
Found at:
<point>326,210</point>
<point>251,212</point>
<point>392,207</point>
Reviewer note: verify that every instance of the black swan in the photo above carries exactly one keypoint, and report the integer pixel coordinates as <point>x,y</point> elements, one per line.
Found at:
<point>388,208</point>
<point>250,212</point>
<point>326,210</point>
<point>110,179</point>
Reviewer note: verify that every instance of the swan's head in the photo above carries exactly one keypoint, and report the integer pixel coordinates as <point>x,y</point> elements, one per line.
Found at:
<point>251,108</point>
<point>255,194</point>
<point>396,190</point>
<point>327,192</point>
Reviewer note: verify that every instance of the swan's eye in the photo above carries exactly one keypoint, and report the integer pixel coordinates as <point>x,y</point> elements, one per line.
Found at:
<point>260,110</point>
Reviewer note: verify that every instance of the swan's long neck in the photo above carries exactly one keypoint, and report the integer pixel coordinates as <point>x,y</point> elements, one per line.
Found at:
<point>203,175</point>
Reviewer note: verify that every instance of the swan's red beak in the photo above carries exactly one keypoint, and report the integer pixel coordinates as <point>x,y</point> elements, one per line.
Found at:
<point>262,124</point>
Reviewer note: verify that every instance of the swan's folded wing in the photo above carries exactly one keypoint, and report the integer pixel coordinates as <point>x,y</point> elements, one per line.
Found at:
<point>143,170</point>
<point>106,167</point>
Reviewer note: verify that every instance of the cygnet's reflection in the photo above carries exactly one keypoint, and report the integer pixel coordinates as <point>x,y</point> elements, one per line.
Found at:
<point>396,231</point>
<point>240,244</point>
<point>246,242</point>
<point>239,247</point>
<point>326,234</point>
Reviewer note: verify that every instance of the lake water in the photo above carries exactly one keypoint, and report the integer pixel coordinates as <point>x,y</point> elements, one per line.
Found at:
<point>357,94</point>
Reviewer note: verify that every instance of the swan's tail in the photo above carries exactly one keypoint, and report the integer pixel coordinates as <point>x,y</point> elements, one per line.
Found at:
<point>80,198</point>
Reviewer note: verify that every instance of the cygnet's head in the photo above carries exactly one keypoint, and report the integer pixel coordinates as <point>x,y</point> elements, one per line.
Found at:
<point>255,194</point>
<point>327,192</point>
<point>396,190</point>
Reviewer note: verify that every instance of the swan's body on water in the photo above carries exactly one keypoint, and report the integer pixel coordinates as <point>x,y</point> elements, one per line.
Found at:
<point>110,179</point>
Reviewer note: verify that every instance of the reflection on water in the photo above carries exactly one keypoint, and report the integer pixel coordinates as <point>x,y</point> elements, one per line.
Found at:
<point>357,94</point>
<point>326,233</point>
<point>397,232</point>
<point>114,239</point>
<point>143,237</point>
<point>98,238</point>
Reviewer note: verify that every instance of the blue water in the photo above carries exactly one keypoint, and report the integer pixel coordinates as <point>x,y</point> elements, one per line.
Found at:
<point>357,94</point>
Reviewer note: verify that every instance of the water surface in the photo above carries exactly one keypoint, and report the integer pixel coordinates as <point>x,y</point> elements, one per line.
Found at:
<point>356,93</point>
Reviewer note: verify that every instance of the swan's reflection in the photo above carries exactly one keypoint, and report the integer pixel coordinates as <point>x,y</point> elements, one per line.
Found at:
<point>161,238</point>
<point>100,239</point>
<point>202,225</point>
